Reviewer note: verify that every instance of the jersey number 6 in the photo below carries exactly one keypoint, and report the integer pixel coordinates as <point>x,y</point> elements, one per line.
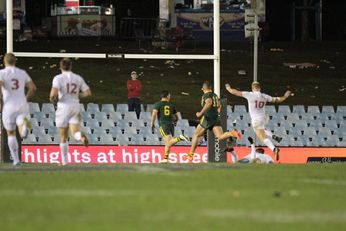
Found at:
<point>166,110</point>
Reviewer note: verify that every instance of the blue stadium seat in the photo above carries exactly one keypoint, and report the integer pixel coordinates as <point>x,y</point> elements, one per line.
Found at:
<point>313,110</point>
<point>81,107</point>
<point>33,107</point>
<point>122,108</point>
<point>46,123</point>
<point>107,108</point>
<point>328,109</point>
<point>270,109</point>
<point>284,110</point>
<point>241,109</point>
<point>44,139</point>
<point>115,116</point>
<point>107,139</point>
<point>93,108</point>
<point>107,124</point>
<point>91,123</point>
<point>101,116</point>
<point>98,132</point>
<point>130,116</point>
<point>299,109</point>
<point>131,131</point>
<point>341,110</point>
<point>182,123</point>
<point>146,116</point>
<point>149,108</point>
<point>30,139</point>
<point>48,108</point>
<point>137,123</point>
<point>115,131</point>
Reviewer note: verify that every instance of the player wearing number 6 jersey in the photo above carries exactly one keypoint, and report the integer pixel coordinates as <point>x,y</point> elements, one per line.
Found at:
<point>67,89</point>
<point>166,113</point>
<point>13,82</point>
<point>210,119</point>
<point>256,102</point>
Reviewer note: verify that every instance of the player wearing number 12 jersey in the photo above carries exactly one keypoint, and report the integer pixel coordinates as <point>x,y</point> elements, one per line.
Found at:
<point>256,102</point>
<point>13,82</point>
<point>67,89</point>
<point>166,113</point>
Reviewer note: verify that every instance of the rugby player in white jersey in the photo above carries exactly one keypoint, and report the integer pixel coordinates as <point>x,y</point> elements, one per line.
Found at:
<point>67,89</point>
<point>256,102</point>
<point>256,156</point>
<point>15,108</point>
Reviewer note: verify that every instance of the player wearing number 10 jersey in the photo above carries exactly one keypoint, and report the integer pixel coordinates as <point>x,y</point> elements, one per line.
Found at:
<point>67,89</point>
<point>13,82</point>
<point>256,102</point>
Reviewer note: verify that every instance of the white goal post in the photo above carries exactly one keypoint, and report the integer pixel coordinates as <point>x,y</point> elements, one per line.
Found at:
<point>215,56</point>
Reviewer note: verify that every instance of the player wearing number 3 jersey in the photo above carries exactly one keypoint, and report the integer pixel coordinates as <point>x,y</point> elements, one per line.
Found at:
<point>13,82</point>
<point>67,89</point>
<point>256,102</point>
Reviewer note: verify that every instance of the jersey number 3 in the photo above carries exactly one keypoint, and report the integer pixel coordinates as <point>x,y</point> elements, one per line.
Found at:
<point>15,84</point>
<point>71,88</point>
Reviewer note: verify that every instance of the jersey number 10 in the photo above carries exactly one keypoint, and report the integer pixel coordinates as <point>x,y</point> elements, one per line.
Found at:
<point>259,104</point>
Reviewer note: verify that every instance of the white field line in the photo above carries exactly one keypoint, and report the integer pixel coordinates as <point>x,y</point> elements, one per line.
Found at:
<point>277,217</point>
<point>324,182</point>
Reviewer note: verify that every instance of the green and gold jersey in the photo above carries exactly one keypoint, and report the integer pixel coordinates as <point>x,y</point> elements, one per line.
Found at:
<point>212,113</point>
<point>165,110</point>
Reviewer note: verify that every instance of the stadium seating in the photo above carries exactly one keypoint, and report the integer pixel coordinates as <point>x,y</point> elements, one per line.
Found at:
<point>109,124</point>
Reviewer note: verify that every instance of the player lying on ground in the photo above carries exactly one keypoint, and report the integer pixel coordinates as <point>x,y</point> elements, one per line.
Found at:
<point>256,102</point>
<point>166,114</point>
<point>67,89</point>
<point>210,119</point>
<point>256,156</point>
<point>15,108</point>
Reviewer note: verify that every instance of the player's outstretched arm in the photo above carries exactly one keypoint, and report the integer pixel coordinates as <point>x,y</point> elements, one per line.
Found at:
<point>31,90</point>
<point>233,91</point>
<point>282,98</point>
<point>85,94</point>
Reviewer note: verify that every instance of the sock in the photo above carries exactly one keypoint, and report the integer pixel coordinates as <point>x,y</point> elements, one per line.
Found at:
<point>177,139</point>
<point>268,133</point>
<point>269,144</point>
<point>191,153</point>
<point>63,153</point>
<point>13,146</point>
<point>234,157</point>
<point>166,156</point>
<point>253,151</point>
<point>24,131</point>
<point>77,136</point>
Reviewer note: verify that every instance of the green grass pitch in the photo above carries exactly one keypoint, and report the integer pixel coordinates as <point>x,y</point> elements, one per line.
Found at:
<point>173,197</point>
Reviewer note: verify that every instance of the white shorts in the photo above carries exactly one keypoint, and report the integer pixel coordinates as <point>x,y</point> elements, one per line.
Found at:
<point>66,115</point>
<point>13,115</point>
<point>260,123</point>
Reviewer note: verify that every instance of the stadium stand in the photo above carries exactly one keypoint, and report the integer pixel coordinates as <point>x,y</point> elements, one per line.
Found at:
<point>109,124</point>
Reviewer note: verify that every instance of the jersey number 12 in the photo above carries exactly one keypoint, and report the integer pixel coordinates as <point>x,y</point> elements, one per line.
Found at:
<point>71,88</point>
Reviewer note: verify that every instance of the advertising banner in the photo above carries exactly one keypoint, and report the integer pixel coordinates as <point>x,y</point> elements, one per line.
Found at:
<point>153,154</point>
<point>201,23</point>
<point>85,25</point>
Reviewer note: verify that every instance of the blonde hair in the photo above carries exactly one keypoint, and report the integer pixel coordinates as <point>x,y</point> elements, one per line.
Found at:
<point>256,85</point>
<point>10,59</point>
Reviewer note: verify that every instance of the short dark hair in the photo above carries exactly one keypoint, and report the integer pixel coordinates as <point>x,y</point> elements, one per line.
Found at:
<point>66,64</point>
<point>164,94</point>
<point>260,150</point>
<point>207,84</point>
